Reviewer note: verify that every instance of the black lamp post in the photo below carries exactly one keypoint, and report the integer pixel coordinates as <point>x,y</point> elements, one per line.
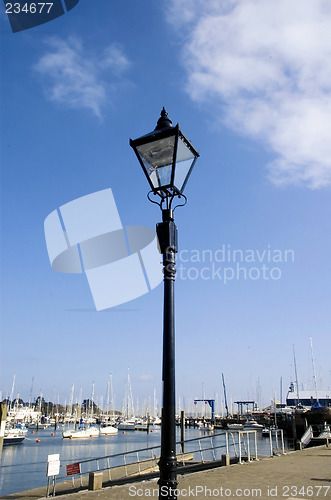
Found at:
<point>167,159</point>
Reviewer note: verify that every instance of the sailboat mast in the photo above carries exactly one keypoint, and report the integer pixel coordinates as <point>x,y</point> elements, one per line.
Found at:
<point>54,398</point>
<point>130,397</point>
<point>92,410</point>
<point>71,400</point>
<point>107,398</point>
<point>80,397</point>
<point>31,391</point>
<point>225,400</point>
<point>314,371</point>
<point>111,394</point>
<point>12,392</point>
<point>154,404</point>
<point>296,376</point>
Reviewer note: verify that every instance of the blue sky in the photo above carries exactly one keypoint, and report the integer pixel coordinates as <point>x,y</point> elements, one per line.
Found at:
<point>249,85</point>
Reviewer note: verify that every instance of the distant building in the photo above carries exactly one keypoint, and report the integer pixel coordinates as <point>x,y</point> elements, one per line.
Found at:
<point>308,398</point>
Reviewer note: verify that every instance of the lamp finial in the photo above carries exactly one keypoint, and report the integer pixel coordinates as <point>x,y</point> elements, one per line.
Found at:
<point>164,121</point>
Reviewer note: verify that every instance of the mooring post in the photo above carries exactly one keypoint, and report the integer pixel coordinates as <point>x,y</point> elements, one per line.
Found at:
<point>3,418</point>
<point>297,442</point>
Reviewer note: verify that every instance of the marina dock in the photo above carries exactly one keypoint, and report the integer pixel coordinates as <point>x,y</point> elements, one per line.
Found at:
<point>299,474</point>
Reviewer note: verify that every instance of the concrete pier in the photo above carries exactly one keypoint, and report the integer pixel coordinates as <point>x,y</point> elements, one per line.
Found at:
<point>302,475</point>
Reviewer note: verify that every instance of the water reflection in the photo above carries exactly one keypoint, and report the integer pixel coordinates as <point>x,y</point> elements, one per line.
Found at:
<point>24,466</point>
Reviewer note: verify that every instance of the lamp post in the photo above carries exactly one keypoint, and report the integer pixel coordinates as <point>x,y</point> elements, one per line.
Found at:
<point>167,158</point>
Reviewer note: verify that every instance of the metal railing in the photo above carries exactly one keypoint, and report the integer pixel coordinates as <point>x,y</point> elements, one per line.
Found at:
<point>279,446</point>
<point>240,445</point>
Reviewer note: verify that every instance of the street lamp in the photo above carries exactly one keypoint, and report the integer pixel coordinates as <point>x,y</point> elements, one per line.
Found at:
<point>167,158</point>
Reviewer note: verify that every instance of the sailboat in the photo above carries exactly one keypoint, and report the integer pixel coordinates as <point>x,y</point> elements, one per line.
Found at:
<point>107,429</point>
<point>81,432</point>
<point>127,425</point>
<point>298,405</point>
<point>317,405</point>
<point>85,430</point>
<point>156,419</point>
<point>129,422</point>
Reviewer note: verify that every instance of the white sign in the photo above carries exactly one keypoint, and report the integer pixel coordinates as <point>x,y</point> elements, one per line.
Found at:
<point>53,465</point>
<point>53,458</point>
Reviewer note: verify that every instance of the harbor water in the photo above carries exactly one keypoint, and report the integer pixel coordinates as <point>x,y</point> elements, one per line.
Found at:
<point>24,466</point>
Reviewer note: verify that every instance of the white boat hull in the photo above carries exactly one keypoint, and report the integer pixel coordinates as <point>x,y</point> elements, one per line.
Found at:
<point>81,433</point>
<point>125,426</point>
<point>109,430</point>
<point>252,425</point>
<point>13,436</point>
<point>8,440</point>
<point>235,427</point>
<point>38,426</point>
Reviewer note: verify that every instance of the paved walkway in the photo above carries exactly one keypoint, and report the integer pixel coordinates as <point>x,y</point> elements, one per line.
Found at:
<point>301,474</point>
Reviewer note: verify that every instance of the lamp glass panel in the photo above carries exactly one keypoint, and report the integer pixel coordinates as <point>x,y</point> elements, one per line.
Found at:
<point>184,160</point>
<point>157,157</point>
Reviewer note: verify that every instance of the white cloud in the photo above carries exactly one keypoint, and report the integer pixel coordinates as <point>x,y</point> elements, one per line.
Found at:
<point>114,58</point>
<point>268,64</point>
<point>77,77</point>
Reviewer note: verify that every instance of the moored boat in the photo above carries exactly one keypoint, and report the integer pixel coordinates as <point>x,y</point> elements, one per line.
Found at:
<point>127,425</point>
<point>38,425</point>
<point>81,432</point>
<point>13,436</point>
<point>66,433</point>
<point>235,427</point>
<point>108,430</point>
<point>252,425</point>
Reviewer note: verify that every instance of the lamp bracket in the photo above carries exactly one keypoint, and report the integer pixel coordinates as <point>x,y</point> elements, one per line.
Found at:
<point>179,204</point>
<point>153,201</point>
<point>169,199</point>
